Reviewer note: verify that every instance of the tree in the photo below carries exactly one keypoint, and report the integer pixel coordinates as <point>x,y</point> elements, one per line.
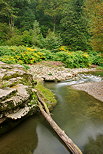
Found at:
<point>94,11</point>
<point>52,41</point>
<point>37,37</point>
<point>8,12</point>
<point>73,26</point>
<point>4,32</point>
<point>52,8</point>
<point>25,16</point>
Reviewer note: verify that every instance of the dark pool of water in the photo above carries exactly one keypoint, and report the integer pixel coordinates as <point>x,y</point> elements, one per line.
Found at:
<point>79,114</point>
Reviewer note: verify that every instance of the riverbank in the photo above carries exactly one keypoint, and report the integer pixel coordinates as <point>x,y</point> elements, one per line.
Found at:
<point>92,88</point>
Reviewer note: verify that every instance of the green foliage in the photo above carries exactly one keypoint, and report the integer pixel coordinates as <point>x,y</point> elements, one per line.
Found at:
<point>25,55</point>
<point>78,59</point>
<point>46,94</point>
<point>37,38</point>
<point>11,50</point>
<point>15,40</point>
<point>27,38</point>
<point>34,100</point>
<point>74,26</point>
<point>94,14</point>
<point>61,56</point>
<point>21,55</point>
<point>73,59</point>
<point>52,41</point>
<point>96,58</point>
<point>4,32</point>
<point>78,22</point>
<point>48,55</point>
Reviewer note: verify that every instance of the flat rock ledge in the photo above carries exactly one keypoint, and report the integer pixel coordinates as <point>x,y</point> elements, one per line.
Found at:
<point>94,89</point>
<point>15,92</point>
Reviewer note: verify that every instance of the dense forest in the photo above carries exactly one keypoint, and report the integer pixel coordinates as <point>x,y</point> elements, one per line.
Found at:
<point>70,31</point>
<point>74,23</point>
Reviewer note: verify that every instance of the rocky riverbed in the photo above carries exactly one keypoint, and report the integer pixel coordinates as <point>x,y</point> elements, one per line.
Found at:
<point>49,71</point>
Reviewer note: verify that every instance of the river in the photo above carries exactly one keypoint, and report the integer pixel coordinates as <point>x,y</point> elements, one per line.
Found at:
<point>77,113</point>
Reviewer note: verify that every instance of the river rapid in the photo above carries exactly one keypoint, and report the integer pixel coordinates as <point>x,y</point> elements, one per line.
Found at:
<point>77,113</point>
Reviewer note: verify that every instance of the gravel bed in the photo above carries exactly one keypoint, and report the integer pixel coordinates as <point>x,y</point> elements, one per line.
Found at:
<point>92,88</point>
<point>52,73</point>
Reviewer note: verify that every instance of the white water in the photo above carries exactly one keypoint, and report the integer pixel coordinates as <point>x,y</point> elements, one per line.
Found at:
<point>81,78</point>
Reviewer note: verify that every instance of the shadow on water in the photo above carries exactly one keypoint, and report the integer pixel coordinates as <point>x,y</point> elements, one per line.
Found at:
<point>21,140</point>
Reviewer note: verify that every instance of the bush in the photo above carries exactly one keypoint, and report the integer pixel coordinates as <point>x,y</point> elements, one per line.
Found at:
<point>73,59</point>
<point>78,59</point>
<point>11,50</point>
<point>21,55</point>
<point>61,56</point>
<point>96,58</point>
<point>48,55</point>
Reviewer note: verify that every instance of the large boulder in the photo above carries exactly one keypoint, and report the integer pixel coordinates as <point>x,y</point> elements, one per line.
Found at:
<point>15,92</point>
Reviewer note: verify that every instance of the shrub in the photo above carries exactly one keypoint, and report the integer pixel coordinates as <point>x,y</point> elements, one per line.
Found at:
<point>15,40</point>
<point>8,59</point>
<point>21,55</point>
<point>73,59</point>
<point>77,59</point>
<point>48,55</point>
<point>27,55</point>
<point>61,56</point>
<point>64,48</point>
<point>96,58</point>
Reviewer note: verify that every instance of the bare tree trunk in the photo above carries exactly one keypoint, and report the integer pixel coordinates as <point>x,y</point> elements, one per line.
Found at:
<point>54,24</point>
<point>11,24</point>
<point>69,143</point>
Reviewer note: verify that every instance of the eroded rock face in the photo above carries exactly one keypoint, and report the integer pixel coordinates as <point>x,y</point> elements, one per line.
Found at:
<point>15,92</point>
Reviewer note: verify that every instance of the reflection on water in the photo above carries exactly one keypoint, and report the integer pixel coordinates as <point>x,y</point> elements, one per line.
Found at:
<point>47,142</point>
<point>79,114</point>
<point>21,140</point>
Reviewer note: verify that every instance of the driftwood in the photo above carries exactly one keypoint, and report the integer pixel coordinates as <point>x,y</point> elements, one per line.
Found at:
<point>68,142</point>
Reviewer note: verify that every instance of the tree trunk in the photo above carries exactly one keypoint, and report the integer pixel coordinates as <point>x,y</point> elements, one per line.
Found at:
<point>11,24</point>
<point>69,143</point>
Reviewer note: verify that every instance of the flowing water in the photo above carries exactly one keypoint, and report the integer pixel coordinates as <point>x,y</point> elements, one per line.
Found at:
<point>79,114</point>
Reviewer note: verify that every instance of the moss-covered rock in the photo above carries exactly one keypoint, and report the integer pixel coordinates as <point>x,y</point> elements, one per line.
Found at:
<point>47,96</point>
<point>16,92</point>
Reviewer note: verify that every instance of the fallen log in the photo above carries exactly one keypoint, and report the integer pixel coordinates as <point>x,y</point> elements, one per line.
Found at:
<point>68,142</point>
<point>43,103</point>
